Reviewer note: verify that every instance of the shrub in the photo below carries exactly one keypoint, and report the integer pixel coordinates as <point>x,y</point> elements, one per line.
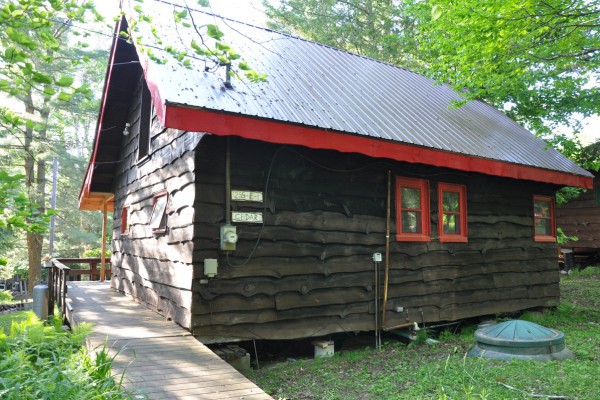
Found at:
<point>5,296</point>
<point>45,362</point>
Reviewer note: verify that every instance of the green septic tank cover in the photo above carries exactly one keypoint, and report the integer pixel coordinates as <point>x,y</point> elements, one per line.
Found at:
<point>522,340</point>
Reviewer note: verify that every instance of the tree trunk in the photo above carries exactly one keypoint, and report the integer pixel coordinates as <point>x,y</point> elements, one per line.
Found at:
<point>35,171</point>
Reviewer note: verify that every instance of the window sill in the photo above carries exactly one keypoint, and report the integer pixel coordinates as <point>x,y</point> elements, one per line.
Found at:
<point>413,238</point>
<point>544,239</point>
<point>453,239</point>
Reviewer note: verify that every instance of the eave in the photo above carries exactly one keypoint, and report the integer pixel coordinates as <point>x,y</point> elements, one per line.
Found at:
<point>225,124</point>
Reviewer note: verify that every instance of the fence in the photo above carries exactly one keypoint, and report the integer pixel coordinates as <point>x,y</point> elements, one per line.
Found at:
<point>59,274</point>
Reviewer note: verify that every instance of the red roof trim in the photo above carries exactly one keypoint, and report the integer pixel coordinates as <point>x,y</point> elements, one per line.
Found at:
<point>224,124</point>
<point>87,182</point>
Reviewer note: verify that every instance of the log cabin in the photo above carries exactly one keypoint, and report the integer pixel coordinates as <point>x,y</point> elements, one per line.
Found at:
<point>580,218</point>
<point>341,195</point>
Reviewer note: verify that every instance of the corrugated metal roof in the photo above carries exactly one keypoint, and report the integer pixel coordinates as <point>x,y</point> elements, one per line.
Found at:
<point>319,86</point>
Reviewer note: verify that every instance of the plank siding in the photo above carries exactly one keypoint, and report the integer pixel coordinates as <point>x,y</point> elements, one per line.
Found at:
<point>311,272</point>
<point>156,269</point>
<point>580,217</point>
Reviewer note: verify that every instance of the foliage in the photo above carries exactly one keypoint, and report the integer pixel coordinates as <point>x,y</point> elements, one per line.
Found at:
<point>443,372</point>
<point>196,42</point>
<point>43,72</point>
<point>30,38</point>
<point>562,238</point>
<point>374,28</point>
<point>6,320</point>
<point>46,362</point>
<point>5,296</point>
<point>97,253</point>
<point>16,209</point>
<point>590,156</point>
<point>539,61</point>
<point>536,57</point>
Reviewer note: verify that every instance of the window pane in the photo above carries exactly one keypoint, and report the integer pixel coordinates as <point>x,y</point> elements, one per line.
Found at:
<point>450,201</point>
<point>411,198</point>
<point>157,212</point>
<point>411,222</point>
<point>451,224</point>
<point>542,208</point>
<point>542,227</point>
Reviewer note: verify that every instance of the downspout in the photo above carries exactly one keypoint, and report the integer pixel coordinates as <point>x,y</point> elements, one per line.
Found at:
<point>387,248</point>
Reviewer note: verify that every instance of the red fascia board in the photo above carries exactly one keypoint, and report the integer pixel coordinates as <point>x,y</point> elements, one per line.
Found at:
<point>225,124</point>
<point>87,182</point>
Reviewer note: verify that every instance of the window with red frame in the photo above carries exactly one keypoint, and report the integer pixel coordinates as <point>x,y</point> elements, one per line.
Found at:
<point>125,221</point>
<point>452,208</point>
<point>544,222</point>
<point>158,219</point>
<point>412,210</point>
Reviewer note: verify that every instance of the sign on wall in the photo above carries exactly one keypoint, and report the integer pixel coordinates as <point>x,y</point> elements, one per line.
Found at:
<point>248,217</point>
<point>246,195</point>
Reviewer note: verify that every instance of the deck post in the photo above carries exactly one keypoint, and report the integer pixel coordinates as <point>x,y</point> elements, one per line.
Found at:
<point>103,255</point>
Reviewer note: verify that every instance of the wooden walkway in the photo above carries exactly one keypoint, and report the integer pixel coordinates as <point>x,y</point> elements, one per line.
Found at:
<point>160,359</point>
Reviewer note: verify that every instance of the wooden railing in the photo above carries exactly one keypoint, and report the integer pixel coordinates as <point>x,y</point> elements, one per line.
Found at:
<point>93,272</point>
<point>59,274</point>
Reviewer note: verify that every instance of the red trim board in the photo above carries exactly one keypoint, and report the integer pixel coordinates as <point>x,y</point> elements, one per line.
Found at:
<point>224,124</point>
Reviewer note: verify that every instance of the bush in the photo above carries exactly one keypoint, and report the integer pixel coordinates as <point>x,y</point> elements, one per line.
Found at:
<point>5,296</point>
<point>97,253</point>
<point>46,362</point>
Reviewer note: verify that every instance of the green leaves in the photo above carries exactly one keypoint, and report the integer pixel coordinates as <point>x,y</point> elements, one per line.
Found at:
<point>206,45</point>
<point>17,212</point>
<point>43,361</point>
<point>214,32</point>
<point>436,11</point>
<point>535,55</point>
<point>64,81</point>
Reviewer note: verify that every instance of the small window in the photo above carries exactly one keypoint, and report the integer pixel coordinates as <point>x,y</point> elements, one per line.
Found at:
<point>412,210</point>
<point>158,219</point>
<point>145,123</point>
<point>544,222</point>
<point>452,206</point>
<point>125,221</point>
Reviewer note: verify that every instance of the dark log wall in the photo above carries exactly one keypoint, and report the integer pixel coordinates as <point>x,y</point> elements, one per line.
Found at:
<point>311,273</point>
<point>581,218</point>
<point>156,269</point>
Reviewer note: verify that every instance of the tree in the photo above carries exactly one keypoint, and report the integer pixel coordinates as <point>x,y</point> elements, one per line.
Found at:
<point>378,29</point>
<point>540,59</point>
<point>38,77</point>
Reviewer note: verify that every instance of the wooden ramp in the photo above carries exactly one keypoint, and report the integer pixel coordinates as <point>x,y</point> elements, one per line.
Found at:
<point>160,359</point>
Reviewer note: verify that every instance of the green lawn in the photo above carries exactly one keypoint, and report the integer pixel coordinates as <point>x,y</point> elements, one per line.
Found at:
<point>6,319</point>
<point>443,372</point>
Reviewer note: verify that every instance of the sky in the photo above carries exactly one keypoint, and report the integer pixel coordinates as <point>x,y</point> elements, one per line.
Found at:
<point>251,11</point>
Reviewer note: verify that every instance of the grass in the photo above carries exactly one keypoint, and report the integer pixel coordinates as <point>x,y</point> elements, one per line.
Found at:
<point>7,319</point>
<point>443,372</point>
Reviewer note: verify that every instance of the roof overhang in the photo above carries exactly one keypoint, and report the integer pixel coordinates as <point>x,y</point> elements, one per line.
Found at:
<point>97,201</point>
<point>101,170</point>
<point>225,124</point>
<point>95,193</point>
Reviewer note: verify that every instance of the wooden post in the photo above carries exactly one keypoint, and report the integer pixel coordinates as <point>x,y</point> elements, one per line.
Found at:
<point>94,270</point>
<point>103,256</point>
